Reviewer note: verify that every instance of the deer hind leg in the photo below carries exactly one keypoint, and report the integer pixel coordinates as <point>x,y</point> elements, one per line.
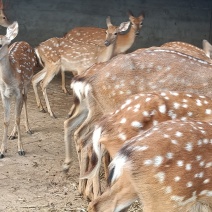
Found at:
<point>46,80</point>
<point>6,106</point>
<point>18,109</point>
<point>35,80</point>
<point>70,126</point>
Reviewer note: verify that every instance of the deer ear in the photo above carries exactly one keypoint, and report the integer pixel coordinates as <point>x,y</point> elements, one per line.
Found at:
<point>12,31</point>
<point>207,48</point>
<point>123,26</point>
<point>108,21</point>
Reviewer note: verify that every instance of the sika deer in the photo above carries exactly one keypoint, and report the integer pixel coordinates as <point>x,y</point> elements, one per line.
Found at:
<point>16,70</point>
<point>207,47</point>
<point>144,70</point>
<point>169,166</point>
<point>3,18</point>
<point>139,113</point>
<point>71,55</point>
<point>189,49</point>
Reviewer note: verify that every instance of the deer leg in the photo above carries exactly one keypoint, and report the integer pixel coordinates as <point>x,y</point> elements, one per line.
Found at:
<point>6,106</point>
<point>46,80</point>
<point>69,127</point>
<point>18,109</point>
<point>35,80</point>
<point>28,129</point>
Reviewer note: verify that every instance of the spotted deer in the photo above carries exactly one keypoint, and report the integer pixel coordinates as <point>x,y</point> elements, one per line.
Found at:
<point>136,115</point>
<point>3,18</point>
<point>169,166</point>
<point>17,64</point>
<point>71,55</point>
<point>144,70</point>
<point>96,36</point>
<point>190,49</point>
<point>207,47</point>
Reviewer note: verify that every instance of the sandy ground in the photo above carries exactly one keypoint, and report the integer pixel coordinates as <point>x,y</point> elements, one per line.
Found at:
<point>36,182</point>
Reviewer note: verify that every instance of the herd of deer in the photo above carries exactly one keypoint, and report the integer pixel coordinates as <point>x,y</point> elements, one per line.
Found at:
<point>149,111</point>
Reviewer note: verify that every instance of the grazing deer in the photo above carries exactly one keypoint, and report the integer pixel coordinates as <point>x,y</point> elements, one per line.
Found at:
<point>207,47</point>
<point>169,166</point>
<point>71,55</point>
<point>16,70</point>
<point>3,18</point>
<point>139,113</point>
<point>189,49</point>
<point>144,70</point>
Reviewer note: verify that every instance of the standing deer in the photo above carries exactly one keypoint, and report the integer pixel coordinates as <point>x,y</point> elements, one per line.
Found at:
<point>144,70</point>
<point>139,113</point>
<point>3,18</point>
<point>16,70</point>
<point>71,55</point>
<point>96,36</point>
<point>169,166</point>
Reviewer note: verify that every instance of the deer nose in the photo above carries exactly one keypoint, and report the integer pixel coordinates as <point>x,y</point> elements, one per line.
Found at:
<point>107,43</point>
<point>137,33</point>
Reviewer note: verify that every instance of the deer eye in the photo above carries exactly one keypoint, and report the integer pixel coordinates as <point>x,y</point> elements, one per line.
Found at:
<point>4,17</point>
<point>141,24</point>
<point>115,33</point>
<point>0,45</point>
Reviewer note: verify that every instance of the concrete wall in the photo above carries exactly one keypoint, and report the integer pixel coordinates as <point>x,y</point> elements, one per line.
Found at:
<point>166,20</point>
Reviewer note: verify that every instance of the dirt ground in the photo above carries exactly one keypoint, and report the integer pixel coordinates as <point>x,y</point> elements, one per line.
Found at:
<point>36,182</point>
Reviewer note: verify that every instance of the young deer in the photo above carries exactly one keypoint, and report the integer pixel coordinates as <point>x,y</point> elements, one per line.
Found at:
<point>169,166</point>
<point>16,70</point>
<point>3,18</point>
<point>207,47</point>
<point>189,49</point>
<point>139,113</point>
<point>71,55</point>
<point>149,69</point>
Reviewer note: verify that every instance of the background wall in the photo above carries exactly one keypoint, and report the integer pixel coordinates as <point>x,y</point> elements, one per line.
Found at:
<point>165,20</point>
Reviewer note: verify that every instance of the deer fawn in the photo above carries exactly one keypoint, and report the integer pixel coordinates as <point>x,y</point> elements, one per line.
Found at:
<point>207,47</point>
<point>136,115</point>
<point>3,18</point>
<point>75,56</point>
<point>149,69</point>
<point>16,70</point>
<point>169,166</point>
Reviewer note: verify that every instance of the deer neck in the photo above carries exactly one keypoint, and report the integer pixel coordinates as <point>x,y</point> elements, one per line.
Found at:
<point>124,42</point>
<point>106,53</point>
<point>6,74</point>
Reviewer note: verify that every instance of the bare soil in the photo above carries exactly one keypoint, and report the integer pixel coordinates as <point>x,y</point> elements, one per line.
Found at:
<point>36,182</point>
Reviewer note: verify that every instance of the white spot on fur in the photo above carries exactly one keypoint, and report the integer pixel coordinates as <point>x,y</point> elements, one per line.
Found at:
<point>189,147</point>
<point>160,176</point>
<point>136,124</point>
<point>162,108</point>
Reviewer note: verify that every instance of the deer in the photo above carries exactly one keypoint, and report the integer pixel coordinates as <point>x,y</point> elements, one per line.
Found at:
<point>104,90</point>
<point>71,55</point>
<point>96,36</point>
<point>17,64</point>
<point>207,48</point>
<point>3,18</point>
<point>169,166</point>
<point>137,114</point>
<point>190,49</point>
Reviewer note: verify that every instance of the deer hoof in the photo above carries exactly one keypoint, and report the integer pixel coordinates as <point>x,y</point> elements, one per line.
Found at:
<point>21,153</point>
<point>30,132</point>
<point>12,137</point>
<point>66,167</point>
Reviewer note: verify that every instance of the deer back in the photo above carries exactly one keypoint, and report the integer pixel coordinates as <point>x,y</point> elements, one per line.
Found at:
<point>187,48</point>
<point>147,70</point>
<point>23,61</point>
<point>169,166</point>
